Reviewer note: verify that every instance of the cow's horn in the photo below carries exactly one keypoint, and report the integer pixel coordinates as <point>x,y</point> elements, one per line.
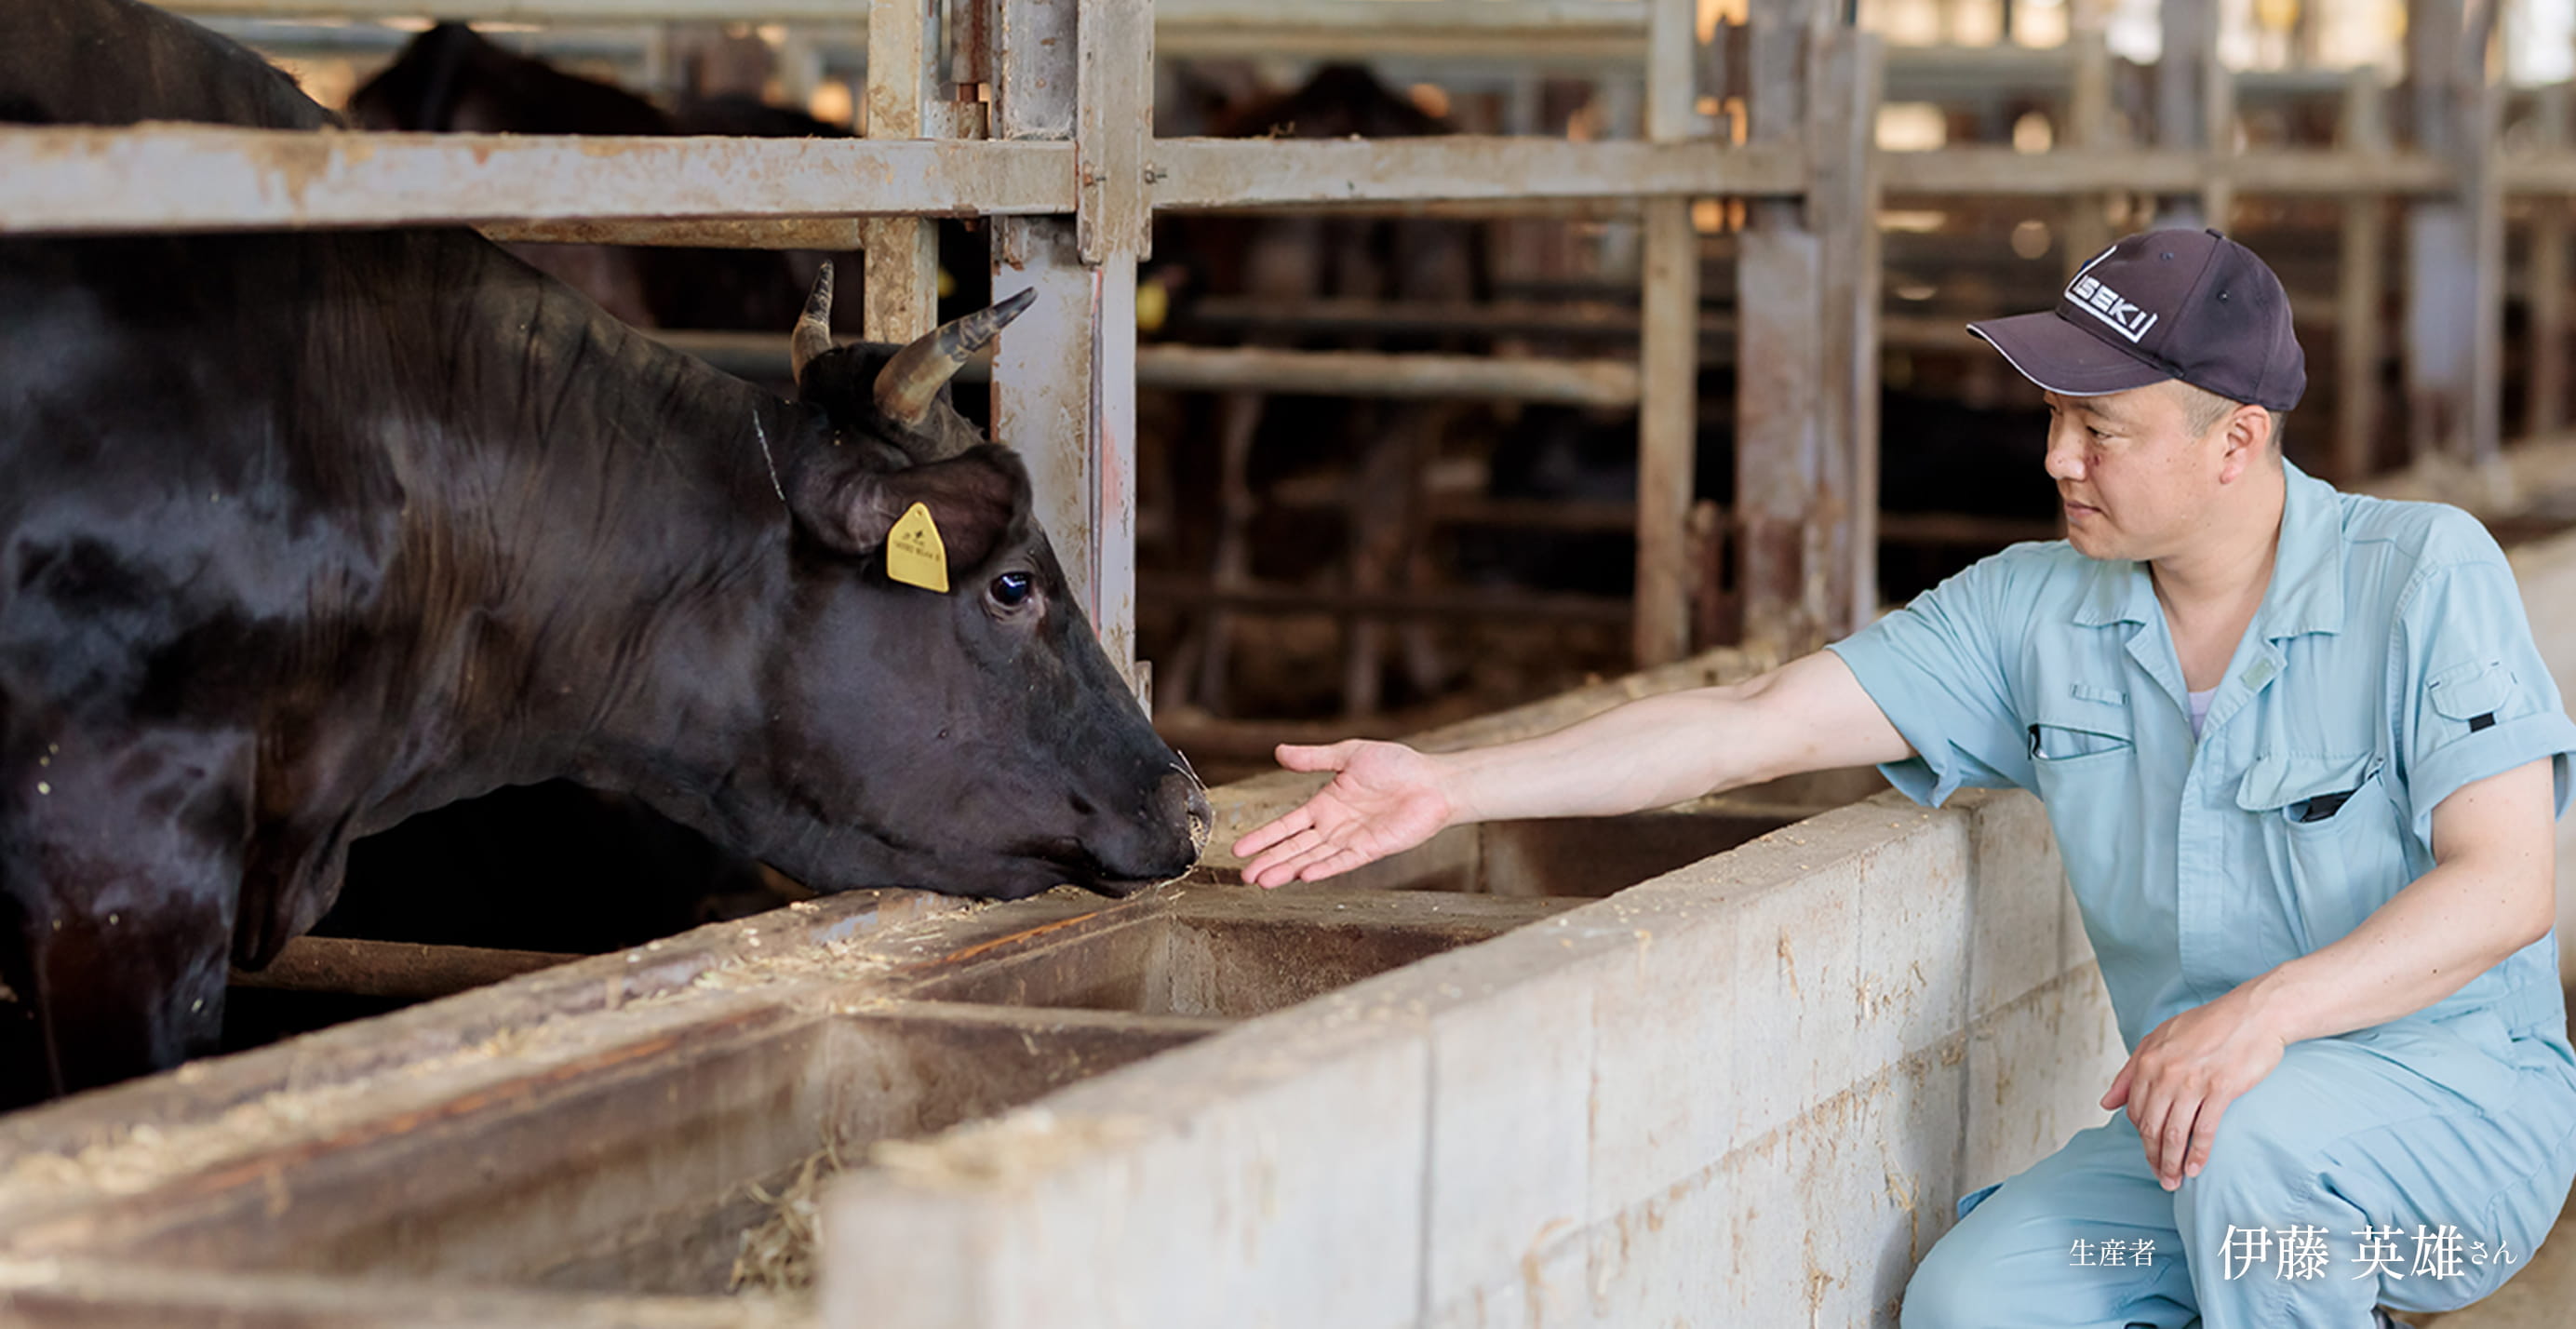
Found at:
<point>910,381</point>
<point>813,334</point>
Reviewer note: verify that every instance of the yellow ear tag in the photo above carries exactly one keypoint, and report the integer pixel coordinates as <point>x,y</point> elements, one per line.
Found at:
<point>1153,306</point>
<point>915,555</point>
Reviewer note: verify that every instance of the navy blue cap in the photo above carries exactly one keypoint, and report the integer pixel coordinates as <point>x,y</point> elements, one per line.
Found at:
<point>2192,305</point>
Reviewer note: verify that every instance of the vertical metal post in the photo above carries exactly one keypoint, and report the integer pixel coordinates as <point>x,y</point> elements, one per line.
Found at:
<point>2479,105</point>
<point>1781,448</point>
<point>2359,291</point>
<point>1668,407</point>
<point>2547,409</point>
<point>2454,246</point>
<point>1842,207</point>
<point>1064,382</point>
<point>902,253</point>
<point>2195,108</point>
<point>2088,126</point>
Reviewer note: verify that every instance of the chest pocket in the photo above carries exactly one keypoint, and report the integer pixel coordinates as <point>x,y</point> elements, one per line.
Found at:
<point>2329,831</point>
<point>2084,723</point>
<point>2084,769</point>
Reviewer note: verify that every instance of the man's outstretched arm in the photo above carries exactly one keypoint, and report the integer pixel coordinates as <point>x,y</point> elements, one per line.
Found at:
<point>1808,715</point>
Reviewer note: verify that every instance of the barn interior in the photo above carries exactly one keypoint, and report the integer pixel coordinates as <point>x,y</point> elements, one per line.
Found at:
<point>1444,370</point>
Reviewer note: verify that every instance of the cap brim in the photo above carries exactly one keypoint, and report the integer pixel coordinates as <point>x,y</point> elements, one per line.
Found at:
<point>2063,358</point>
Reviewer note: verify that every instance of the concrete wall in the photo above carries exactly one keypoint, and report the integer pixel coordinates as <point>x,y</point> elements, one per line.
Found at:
<point>1747,1092</point>
<point>1744,1093</point>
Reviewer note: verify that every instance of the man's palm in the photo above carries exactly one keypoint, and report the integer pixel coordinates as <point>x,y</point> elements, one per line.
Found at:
<point>1384,798</point>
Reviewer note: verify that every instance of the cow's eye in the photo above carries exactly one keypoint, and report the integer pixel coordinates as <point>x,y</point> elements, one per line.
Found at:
<point>1012,589</point>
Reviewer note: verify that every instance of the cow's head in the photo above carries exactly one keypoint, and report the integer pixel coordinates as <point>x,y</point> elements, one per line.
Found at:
<point>973,740</point>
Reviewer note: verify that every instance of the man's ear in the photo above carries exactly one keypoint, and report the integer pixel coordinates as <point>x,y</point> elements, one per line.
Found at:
<point>979,500</point>
<point>2249,433</point>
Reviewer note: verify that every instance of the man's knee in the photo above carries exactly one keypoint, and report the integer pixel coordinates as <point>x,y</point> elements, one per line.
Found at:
<point>1947,1291</point>
<point>2263,1159</point>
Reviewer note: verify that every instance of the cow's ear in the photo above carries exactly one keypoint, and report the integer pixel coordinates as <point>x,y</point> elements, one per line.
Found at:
<point>980,501</point>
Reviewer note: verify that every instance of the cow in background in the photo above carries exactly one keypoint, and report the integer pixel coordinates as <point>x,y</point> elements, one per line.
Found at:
<point>1297,259</point>
<point>308,533</point>
<point>452,79</point>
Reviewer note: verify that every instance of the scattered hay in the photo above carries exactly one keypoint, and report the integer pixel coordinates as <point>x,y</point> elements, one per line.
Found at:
<point>777,1257</point>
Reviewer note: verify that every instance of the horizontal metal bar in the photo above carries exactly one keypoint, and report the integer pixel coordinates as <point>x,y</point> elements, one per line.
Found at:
<point>1544,32</point>
<point>1261,369</point>
<point>2535,173</point>
<point>770,233</point>
<point>1451,602</point>
<point>1376,374</point>
<point>1214,173</point>
<point>1549,31</point>
<point>2315,172</point>
<point>167,176</point>
<point>538,11</point>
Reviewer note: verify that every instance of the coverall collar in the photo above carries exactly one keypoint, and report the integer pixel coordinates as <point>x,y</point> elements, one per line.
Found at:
<point>2306,593</point>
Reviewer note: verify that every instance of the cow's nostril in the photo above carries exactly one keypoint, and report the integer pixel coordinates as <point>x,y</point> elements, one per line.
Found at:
<point>1184,801</point>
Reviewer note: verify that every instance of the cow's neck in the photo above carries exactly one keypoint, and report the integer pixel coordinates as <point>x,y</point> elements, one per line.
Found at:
<point>626,545</point>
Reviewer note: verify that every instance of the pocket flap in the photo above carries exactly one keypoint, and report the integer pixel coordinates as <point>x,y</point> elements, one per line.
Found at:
<point>2279,779</point>
<point>2092,711</point>
<point>2465,692</point>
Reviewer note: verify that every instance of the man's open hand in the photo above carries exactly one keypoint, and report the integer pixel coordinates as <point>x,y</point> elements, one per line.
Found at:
<point>2185,1073</point>
<point>1385,798</point>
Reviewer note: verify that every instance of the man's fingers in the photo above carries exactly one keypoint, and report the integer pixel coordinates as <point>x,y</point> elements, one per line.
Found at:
<point>1264,836</point>
<point>1300,856</point>
<point>1316,757</point>
<point>1280,863</point>
<point>2119,1093</point>
<point>2177,1142</point>
<point>1342,860</point>
<point>2204,1135</point>
<point>2148,1115</point>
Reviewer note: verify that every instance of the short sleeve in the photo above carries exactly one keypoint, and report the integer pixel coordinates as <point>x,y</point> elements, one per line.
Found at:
<point>2473,696</point>
<point>1937,670</point>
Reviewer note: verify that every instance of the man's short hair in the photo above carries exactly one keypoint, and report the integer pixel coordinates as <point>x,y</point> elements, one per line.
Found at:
<point>2203,409</point>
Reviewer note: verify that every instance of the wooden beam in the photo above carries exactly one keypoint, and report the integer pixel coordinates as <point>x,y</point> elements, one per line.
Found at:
<point>400,969</point>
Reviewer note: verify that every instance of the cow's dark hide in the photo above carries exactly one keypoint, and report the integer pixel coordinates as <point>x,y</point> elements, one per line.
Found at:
<point>308,533</point>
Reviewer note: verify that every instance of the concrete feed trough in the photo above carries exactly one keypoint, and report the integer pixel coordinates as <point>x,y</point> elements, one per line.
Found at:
<point>572,1139</point>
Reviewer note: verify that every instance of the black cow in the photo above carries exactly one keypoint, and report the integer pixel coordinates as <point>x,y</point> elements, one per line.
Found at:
<point>305,533</point>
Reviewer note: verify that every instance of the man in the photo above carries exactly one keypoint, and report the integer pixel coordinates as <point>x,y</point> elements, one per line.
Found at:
<point>2302,761</point>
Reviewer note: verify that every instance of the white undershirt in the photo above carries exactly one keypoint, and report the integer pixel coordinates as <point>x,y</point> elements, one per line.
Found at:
<point>2200,709</point>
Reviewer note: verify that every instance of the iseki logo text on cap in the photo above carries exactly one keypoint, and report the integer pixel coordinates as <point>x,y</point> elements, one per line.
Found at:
<point>2106,304</point>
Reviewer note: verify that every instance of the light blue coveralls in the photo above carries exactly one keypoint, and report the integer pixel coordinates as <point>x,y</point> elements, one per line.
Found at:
<point>2389,665</point>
